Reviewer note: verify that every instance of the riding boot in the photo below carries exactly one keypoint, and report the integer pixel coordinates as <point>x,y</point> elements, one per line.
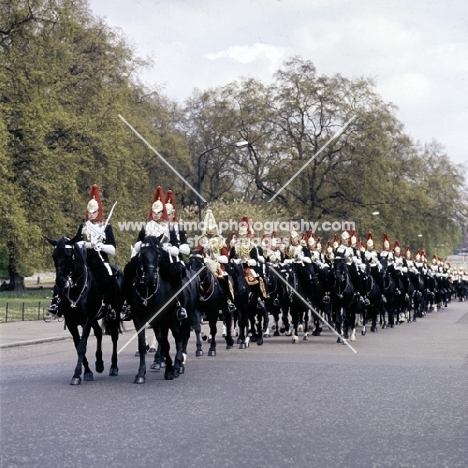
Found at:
<point>181,312</point>
<point>54,302</point>
<point>54,308</point>
<point>129,274</point>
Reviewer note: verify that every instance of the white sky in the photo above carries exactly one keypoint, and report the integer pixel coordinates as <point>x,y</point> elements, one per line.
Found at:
<point>416,50</point>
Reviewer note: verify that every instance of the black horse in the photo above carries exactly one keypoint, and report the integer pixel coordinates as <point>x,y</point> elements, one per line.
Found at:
<point>80,302</point>
<point>388,306</point>
<point>211,302</point>
<point>342,297</point>
<point>241,301</point>
<point>275,290</point>
<point>154,301</point>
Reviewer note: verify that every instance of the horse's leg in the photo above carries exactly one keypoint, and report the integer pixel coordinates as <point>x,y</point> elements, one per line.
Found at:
<point>158,361</point>
<point>287,326</point>
<point>260,328</point>
<point>266,323</point>
<point>213,323</point>
<point>242,324</point>
<point>338,321</point>
<point>295,322</point>
<point>178,334</point>
<point>99,364</point>
<point>196,325</point>
<point>169,373</point>
<point>141,376</point>
<point>81,351</point>
<point>114,370</point>
<point>228,322</point>
<point>275,311</point>
<point>306,325</point>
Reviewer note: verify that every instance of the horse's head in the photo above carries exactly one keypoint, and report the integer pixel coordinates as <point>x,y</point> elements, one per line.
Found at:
<point>196,260</point>
<point>148,258</point>
<point>64,259</point>
<point>339,269</point>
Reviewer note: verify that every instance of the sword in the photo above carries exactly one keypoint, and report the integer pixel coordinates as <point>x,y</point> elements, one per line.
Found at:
<point>109,217</point>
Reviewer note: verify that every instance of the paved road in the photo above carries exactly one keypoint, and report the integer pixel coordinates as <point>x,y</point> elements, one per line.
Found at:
<point>401,401</point>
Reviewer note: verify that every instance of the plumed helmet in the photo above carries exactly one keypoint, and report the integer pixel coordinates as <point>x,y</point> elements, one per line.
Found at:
<point>385,242</point>
<point>336,241</point>
<point>274,240</point>
<point>170,205</point>
<point>408,253</point>
<point>209,223</point>
<point>345,237</point>
<point>370,241</point>
<point>157,204</point>
<point>244,226</point>
<point>94,203</point>
<point>396,248</point>
<point>311,240</point>
<point>354,238</point>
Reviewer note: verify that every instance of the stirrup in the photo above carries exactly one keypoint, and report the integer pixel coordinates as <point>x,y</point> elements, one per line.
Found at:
<point>125,313</point>
<point>231,306</point>
<point>53,309</point>
<point>181,313</point>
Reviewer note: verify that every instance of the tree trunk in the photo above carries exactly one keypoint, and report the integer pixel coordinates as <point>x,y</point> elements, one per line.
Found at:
<point>17,283</point>
<point>16,280</point>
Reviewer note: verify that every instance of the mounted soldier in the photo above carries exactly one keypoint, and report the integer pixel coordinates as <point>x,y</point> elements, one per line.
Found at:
<point>215,252</point>
<point>157,226</point>
<point>98,237</point>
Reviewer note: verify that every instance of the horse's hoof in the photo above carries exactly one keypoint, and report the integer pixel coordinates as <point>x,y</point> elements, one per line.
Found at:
<point>75,381</point>
<point>163,365</point>
<point>266,335</point>
<point>260,341</point>
<point>151,350</point>
<point>182,370</point>
<point>276,333</point>
<point>99,366</point>
<point>139,379</point>
<point>212,352</point>
<point>155,367</point>
<point>295,339</point>
<point>88,377</point>
<point>176,372</point>
<point>238,341</point>
<point>363,332</point>
<point>229,346</point>
<point>304,338</point>
<point>242,346</point>
<point>199,353</point>
<point>374,329</point>
<point>114,371</point>
<point>169,375</point>
<point>384,326</point>
<point>339,340</point>
<point>392,325</point>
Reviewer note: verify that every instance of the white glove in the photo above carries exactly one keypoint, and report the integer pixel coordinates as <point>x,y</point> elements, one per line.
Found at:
<point>404,270</point>
<point>106,248</point>
<point>252,262</point>
<point>133,251</point>
<point>306,260</point>
<point>222,259</point>
<point>174,251</point>
<point>261,259</point>
<point>184,249</point>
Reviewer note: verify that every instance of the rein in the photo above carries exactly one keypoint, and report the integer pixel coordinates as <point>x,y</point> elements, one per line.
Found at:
<point>148,296</point>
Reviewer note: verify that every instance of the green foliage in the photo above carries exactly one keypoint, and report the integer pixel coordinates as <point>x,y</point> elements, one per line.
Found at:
<point>66,77</point>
